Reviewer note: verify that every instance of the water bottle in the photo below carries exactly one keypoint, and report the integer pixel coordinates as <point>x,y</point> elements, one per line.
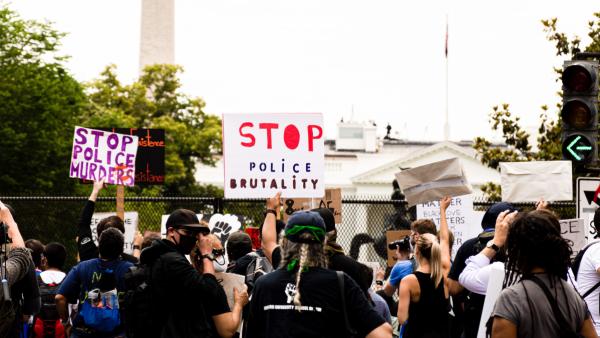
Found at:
<point>5,289</point>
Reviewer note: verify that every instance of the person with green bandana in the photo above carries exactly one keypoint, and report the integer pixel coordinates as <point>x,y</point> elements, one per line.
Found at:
<point>302,298</point>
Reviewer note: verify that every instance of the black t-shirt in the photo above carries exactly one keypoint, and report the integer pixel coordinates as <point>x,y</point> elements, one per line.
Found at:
<point>273,313</point>
<point>85,243</point>
<point>357,271</point>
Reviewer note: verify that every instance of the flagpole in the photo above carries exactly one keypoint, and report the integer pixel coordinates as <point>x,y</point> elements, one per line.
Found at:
<point>447,122</point>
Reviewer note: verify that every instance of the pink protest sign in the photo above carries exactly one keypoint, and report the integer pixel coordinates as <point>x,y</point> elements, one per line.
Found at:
<point>101,154</point>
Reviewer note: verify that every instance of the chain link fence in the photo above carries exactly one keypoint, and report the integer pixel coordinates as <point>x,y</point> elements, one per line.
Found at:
<point>364,221</point>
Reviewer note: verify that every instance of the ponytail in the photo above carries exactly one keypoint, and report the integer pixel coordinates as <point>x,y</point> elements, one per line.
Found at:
<point>435,263</point>
<point>430,249</point>
<point>301,265</point>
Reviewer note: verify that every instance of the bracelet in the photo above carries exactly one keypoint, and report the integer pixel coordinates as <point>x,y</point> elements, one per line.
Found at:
<point>271,211</point>
<point>379,282</point>
<point>137,247</point>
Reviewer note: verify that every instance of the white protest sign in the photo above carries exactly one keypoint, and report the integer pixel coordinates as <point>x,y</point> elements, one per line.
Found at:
<point>130,222</point>
<point>462,220</point>
<point>101,154</point>
<point>267,153</point>
<point>588,200</point>
<point>574,230</point>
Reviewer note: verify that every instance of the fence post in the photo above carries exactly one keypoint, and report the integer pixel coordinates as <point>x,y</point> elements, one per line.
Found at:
<point>218,205</point>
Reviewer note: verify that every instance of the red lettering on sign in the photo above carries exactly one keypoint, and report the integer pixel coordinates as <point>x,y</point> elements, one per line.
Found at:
<point>248,135</point>
<point>268,127</point>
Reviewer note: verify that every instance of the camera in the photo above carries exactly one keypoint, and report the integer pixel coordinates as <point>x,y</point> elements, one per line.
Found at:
<point>402,244</point>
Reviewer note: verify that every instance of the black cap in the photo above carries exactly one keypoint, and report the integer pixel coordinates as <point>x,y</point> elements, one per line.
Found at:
<point>489,218</point>
<point>305,222</point>
<point>184,218</point>
<point>327,217</point>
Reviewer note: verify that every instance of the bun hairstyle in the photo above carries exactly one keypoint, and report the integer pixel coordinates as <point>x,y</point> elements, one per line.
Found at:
<point>429,249</point>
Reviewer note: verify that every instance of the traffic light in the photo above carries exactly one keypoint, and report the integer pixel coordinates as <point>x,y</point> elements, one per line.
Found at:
<point>580,112</point>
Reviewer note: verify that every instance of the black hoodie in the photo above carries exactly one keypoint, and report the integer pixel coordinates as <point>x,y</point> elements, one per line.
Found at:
<point>186,300</point>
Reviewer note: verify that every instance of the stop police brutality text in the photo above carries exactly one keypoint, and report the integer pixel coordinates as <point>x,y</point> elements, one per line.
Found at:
<point>264,183</point>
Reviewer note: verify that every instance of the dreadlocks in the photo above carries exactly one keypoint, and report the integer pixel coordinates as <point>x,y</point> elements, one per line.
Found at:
<point>534,241</point>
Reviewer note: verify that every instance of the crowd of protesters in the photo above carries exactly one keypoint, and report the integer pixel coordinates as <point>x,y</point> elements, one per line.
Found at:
<point>300,283</point>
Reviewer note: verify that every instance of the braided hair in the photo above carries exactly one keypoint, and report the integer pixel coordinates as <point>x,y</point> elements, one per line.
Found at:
<point>534,241</point>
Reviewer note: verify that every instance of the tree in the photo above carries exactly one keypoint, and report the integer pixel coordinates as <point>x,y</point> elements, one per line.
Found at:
<point>154,101</point>
<point>517,146</point>
<point>39,104</point>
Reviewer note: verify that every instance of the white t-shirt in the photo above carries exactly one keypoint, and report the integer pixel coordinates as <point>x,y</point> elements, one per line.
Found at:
<point>52,276</point>
<point>587,277</point>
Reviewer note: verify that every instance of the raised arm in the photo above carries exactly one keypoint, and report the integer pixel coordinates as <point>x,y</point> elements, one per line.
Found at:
<point>444,235</point>
<point>13,230</point>
<point>269,231</point>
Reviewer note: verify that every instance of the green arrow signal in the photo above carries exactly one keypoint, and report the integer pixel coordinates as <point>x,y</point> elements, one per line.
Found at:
<point>571,150</point>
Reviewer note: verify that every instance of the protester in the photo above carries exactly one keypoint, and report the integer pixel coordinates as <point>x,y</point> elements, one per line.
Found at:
<point>471,302</point>
<point>304,299</point>
<point>403,266</point>
<point>239,246</point>
<point>37,251</point>
<point>537,300</point>
<point>588,276</point>
<point>186,302</point>
<point>95,283</point>
<point>86,247</point>
<point>423,295</point>
<point>15,265</point>
<point>47,322</point>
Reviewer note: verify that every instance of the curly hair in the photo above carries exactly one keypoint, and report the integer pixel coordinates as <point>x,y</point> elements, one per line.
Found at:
<point>534,241</point>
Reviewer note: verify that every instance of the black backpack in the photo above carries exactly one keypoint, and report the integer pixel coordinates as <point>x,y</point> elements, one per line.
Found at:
<point>48,315</point>
<point>138,307</point>
<point>258,267</point>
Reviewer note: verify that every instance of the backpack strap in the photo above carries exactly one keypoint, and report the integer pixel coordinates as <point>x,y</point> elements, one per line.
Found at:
<point>562,322</point>
<point>340,279</point>
<point>591,290</point>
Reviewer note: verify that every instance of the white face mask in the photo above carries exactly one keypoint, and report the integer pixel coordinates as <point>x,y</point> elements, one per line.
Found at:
<point>220,267</point>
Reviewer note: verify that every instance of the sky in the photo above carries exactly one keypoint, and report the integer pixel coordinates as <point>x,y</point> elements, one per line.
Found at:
<point>379,60</point>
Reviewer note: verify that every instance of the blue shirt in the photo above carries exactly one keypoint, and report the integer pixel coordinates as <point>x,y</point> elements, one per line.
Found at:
<point>401,269</point>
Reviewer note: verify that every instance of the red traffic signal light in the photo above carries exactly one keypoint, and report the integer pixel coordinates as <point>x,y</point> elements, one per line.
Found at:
<point>579,77</point>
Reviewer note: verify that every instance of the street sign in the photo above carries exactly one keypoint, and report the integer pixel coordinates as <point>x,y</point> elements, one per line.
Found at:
<point>577,148</point>
<point>588,200</point>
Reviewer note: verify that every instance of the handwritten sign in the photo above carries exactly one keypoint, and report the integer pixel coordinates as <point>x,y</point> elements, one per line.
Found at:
<point>332,200</point>
<point>130,222</point>
<point>463,222</point>
<point>574,230</point>
<point>150,159</point>
<point>98,154</point>
<point>391,236</point>
<point>268,153</point>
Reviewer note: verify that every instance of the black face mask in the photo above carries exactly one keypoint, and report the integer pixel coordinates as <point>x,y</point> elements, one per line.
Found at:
<point>185,244</point>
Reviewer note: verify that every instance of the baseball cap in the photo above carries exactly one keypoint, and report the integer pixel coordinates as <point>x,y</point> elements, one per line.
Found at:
<point>328,218</point>
<point>489,218</point>
<point>305,222</point>
<point>184,218</point>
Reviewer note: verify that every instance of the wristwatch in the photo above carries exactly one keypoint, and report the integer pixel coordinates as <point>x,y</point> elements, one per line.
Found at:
<point>137,247</point>
<point>492,246</point>
<point>379,282</point>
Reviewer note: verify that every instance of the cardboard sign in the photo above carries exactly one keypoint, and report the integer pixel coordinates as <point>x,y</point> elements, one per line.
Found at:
<point>574,230</point>
<point>332,200</point>
<point>131,226</point>
<point>99,154</point>
<point>433,181</point>
<point>530,181</point>
<point>392,236</point>
<point>268,153</point>
<point>463,222</point>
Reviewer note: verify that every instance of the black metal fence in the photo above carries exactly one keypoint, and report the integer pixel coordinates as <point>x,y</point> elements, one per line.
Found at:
<point>55,218</point>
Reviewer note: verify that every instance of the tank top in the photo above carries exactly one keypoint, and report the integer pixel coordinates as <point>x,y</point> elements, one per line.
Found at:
<point>428,318</point>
